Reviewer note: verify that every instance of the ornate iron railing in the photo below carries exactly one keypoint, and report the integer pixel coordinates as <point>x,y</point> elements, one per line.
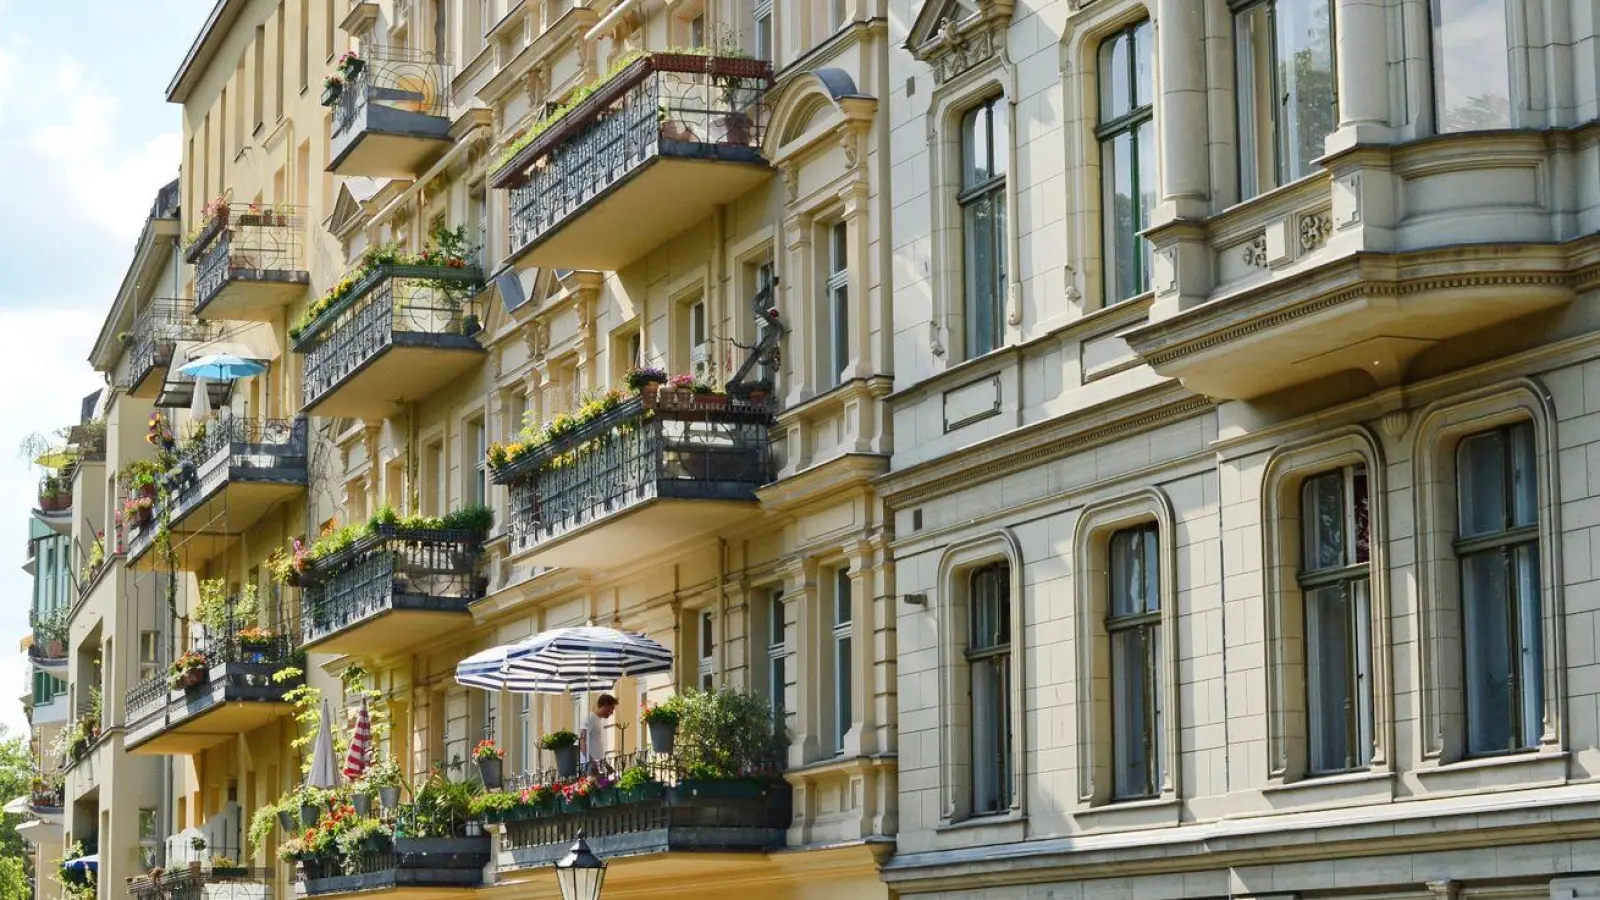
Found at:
<point>414,81</point>
<point>155,336</point>
<point>431,306</point>
<point>663,105</point>
<point>694,448</point>
<point>408,862</point>
<point>248,242</point>
<point>243,653</point>
<point>228,448</point>
<point>44,797</point>
<point>204,884</point>
<point>399,568</point>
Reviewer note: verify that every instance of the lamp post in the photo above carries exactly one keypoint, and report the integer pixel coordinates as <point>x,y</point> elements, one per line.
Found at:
<point>580,873</point>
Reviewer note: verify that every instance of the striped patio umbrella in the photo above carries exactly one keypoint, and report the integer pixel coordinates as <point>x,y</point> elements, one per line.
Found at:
<point>355,762</point>
<point>565,660</point>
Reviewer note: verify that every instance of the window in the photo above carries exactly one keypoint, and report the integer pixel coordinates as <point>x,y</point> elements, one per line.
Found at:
<point>1334,581</point>
<point>841,14</point>
<point>989,666</point>
<point>282,85</point>
<point>763,30</point>
<point>149,839</point>
<point>1498,546</point>
<point>491,703</point>
<point>699,347</point>
<point>1127,160</point>
<point>305,45</point>
<point>697,31</point>
<point>149,655</point>
<point>707,673</point>
<point>329,19</point>
<point>1134,627</point>
<point>1287,100</point>
<point>527,739</point>
<point>1471,65</point>
<point>777,658</point>
<point>478,440</point>
<point>843,713</point>
<point>983,212</point>
<point>838,302</point>
<point>258,86</point>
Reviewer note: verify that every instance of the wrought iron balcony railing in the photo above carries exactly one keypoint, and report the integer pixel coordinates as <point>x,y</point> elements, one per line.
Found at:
<point>435,863</point>
<point>432,307</point>
<point>239,661</point>
<point>230,448</point>
<point>685,448</point>
<point>396,569</point>
<point>663,105</point>
<point>213,883</point>
<point>245,243</point>
<point>47,797</point>
<point>394,91</point>
<point>155,336</point>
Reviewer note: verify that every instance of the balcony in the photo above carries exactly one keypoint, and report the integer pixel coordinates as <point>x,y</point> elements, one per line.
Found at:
<point>204,884</point>
<point>392,116</point>
<point>177,392</point>
<point>677,135</point>
<point>678,468</point>
<point>667,814</point>
<point>421,865</point>
<point>231,694</point>
<point>55,501</point>
<point>402,333</point>
<point>153,341</point>
<point>393,590</point>
<point>249,262</point>
<point>224,482</point>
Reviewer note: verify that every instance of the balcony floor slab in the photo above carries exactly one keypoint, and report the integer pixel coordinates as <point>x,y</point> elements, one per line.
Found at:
<point>660,200</point>
<point>387,631</point>
<point>597,543</point>
<point>255,295</point>
<point>411,368</point>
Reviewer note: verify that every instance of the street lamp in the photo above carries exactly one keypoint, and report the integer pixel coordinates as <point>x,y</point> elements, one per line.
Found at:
<point>580,873</point>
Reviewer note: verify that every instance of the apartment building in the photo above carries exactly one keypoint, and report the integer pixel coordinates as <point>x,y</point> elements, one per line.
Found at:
<point>1240,484</point>
<point>46,698</point>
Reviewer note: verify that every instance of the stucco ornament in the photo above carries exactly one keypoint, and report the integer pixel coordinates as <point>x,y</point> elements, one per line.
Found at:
<point>957,36</point>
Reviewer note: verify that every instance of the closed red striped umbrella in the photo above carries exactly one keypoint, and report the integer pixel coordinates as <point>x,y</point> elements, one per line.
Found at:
<point>355,763</point>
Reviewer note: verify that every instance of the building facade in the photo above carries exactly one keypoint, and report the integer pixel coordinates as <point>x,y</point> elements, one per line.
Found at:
<point>1126,449</point>
<point>1216,325</point>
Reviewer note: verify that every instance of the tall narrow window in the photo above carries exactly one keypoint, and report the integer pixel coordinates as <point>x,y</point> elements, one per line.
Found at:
<point>699,347</point>
<point>281,81</point>
<point>984,152</point>
<point>1127,136</point>
<point>697,31</point>
<point>841,13</point>
<point>843,709</point>
<point>707,675</point>
<point>838,302</point>
<point>1287,98</point>
<point>1498,545</point>
<point>258,85</point>
<point>305,44</point>
<point>1334,579</point>
<point>491,708</point>
<point>329,21</point>
<point>989,664</point>
<point>527,740</point>
<point>777,658</point>
<point>1135,630</point>
<point>1471,65</point>
<point>763,30</point>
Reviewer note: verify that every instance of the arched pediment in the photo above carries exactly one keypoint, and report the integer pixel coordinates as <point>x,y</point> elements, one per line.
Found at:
<point>812,99</point>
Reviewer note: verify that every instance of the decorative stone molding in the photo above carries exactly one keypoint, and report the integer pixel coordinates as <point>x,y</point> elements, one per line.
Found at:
<point>956,36</point>
<point>1255,252</point>
<point>1315,229</point>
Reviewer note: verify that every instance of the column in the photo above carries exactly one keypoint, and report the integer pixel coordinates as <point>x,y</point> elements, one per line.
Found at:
<point>795,293</point>
<point>804,711</point>
<point>1361,59</point>
<point>1181,122</point>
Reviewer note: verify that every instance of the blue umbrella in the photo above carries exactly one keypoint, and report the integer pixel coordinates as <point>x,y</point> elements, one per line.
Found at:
<point>565,660</point>
<point>221,367</point>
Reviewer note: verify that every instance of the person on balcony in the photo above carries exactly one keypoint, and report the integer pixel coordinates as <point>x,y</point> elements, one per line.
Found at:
<point>592,737</point>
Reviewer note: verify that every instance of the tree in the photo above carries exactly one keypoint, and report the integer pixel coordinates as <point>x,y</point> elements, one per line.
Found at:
<point>16,780</point>
<point>13,879</point>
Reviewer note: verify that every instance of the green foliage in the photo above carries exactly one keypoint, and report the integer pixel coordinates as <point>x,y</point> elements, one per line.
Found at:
<point>634,778</point>
<point>725,734</point>
<point>383,772</point>
<point>449,250</point>
<point>492,802</point>
<point>555,740</point>
<point>475,519</point>
<point>442,807</point>
<point>263,822</point>
<point>16,778</point>
<point>212,609</point>
<point>14,875</point>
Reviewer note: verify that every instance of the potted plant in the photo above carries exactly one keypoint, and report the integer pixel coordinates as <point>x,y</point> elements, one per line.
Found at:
<point>351,64</point>
<point>538,799</point>
<point>662,721</point>
<point>646,381</point>
<point>470,325</point>
<point>190,670</point>
<point>384,774</point>
<point>756,391</point>
<point>577,794</point>
<point>490,760</point>
<point>564,746</point>
<point>256,641</point>
<point>360,800</point>
<point>332,87</point>
<point>494,806</point>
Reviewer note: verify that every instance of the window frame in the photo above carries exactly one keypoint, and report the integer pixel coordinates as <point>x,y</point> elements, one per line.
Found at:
<point>1106,132</point>
<point>1148,623</point>
<point>837,300</point>
<point>1280,176</point>
<point>968,197</point>
<point>705,650</point>
<point>1361,719</point>
<point>1513,538</point>
<point>763,12</point>
<point>998,655</point>
<point>1435,60</point>
<point>841,621</point>
<point>777,658</point>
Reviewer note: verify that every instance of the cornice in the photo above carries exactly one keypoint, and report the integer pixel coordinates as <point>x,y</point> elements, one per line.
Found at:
<point>1052,439</point>
<point>1358,278</point>
<point>952,47</point>
<point>823,481</point>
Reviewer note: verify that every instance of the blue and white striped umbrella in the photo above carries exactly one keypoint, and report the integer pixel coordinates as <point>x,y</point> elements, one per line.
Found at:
<point>565,660</point>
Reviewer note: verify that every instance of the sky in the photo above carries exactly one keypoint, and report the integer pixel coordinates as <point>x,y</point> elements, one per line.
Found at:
<point>86,140</point>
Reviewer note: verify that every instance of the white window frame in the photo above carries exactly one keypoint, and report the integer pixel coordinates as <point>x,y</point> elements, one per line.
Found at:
<point>1251,181</point>
<point>527,740</point>
<point>841,620</point>
<point>971,198</point>
<point>706,650</point>
<point>777,658</point>
<point>838,302</point>
<point>762,38</point>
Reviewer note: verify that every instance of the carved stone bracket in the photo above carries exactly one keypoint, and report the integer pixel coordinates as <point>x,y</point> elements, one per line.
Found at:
<point>1314,230</point>
<point>1255,252</point>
